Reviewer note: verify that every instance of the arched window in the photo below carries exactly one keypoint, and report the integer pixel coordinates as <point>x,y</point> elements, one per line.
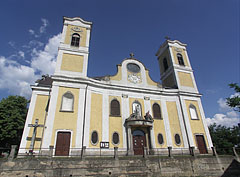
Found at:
<point>115,138</point>
<point>67,102</point>
<point>160,138</point>
<point>177,139</point>
<point>75,40</point>
<point>165,64</point>
<point>94,137</point>
<point>156,111</point>
<point>136,108</point>
<point>193,112</point>
<point>115,108</point>
<point>180,59</point>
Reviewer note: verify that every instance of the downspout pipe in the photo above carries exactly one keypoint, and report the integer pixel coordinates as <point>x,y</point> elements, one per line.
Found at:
<point>184,120</point>
<point>84,118</point>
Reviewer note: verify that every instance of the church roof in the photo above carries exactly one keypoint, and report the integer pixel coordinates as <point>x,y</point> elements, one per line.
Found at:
<point>46,81</point>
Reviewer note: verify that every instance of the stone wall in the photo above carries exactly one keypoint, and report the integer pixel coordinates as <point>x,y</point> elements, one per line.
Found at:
<point>124,166</point>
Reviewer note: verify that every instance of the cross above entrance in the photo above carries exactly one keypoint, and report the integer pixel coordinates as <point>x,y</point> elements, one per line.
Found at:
<point>36,125</point>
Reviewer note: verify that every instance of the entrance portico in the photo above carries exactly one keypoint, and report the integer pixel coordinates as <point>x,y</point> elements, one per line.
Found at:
<point>138,133</point>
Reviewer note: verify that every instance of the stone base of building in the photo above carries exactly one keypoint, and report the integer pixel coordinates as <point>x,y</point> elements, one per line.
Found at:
<point>210,166</point>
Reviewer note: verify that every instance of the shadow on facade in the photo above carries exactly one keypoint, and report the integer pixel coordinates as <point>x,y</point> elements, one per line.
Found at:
<point>233,170</point>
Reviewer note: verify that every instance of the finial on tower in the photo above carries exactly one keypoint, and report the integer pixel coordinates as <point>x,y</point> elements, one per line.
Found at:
<point>167,37</point>
<point>131,55</point>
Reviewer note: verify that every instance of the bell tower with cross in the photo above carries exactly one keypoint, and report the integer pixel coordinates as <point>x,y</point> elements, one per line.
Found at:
<point>73,51</point>
<point>175,67</point>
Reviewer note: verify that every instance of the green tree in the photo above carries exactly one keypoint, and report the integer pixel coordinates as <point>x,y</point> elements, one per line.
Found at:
<point>234,101</point>
<point>13,111</point>
<point>224,138</point>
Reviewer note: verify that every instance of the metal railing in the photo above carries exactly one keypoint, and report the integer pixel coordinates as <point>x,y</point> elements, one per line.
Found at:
<point>110,152</point>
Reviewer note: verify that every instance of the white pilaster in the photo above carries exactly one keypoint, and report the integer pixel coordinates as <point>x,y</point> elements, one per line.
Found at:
<point>87,119</point>
<point>80,117</point>
<point>125,115</point>
<point>181,121</point>
<point>28,121</point>
<point>50,118</point>
<point>105,118</point>
<point>166,123</point>
<point>147,106</point>
<point>187,123</point>
<point>205,123</point>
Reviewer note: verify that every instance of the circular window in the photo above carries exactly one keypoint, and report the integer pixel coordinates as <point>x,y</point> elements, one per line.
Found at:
<point>94,137</point>
<point>160,138</point>
<point>132,67</point>
<point>177,139</point>
<point>115,138</point>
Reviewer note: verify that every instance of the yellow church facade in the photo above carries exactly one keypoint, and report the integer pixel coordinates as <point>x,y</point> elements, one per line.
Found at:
<point>70,111</point>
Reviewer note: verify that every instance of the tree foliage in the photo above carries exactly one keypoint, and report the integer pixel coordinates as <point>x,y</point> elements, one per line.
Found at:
<point>13,111</point>
<point>234,101</point>
<point>225,138</point>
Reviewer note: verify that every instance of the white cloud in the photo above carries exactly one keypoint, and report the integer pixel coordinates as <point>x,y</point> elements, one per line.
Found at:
<point>232,114</point>
<point>45,60</point>
<point>44,25</point>
<point>222,119</point>
<point>223,105</point>
<point>31,31</point>
<point>21,54</point>
<point>228,117</point>
<point>11,43</point>
<point>16,78</point>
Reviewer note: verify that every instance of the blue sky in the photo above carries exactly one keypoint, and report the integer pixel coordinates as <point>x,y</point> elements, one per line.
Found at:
<point>30,32</point>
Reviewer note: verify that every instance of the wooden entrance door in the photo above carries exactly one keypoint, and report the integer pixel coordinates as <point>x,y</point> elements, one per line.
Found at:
<point>139,142</point>
<point>63,144</point>
<point>201,144</point>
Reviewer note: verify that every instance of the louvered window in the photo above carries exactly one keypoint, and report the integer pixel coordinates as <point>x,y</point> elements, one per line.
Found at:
<point>165,64</point>
<point>75,40</point>
<point>180,59</point>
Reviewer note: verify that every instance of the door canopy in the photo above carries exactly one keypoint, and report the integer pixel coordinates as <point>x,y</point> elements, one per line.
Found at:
<point>136,120</point>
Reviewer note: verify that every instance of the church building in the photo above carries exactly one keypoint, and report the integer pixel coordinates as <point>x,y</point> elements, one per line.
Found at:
<point>70,111</point>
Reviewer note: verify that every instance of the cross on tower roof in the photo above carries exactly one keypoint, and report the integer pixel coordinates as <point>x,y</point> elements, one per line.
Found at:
<point>131,55</point>
<point>167,38</point>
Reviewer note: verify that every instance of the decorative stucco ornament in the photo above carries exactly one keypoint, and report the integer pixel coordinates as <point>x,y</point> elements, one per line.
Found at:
<point>134,78</point>
<point>76,29</point>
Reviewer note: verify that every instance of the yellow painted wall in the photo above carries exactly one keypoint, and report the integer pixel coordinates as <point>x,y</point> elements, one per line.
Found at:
<point>66,120</point>
<point>174,122</point>
<point>82,34</point>
<point>196,125</point>
<point>118,76</point>
<point>131,100</point>
<point>159,127</point>
<point>183,55</point>
<point>169,81</point>
<point>39,113</point>
<point>115,124</point>
<point>166,55</point>
<point>96,118</point>
<point>149,80</point>
<point>72,62</point>
<point>185,79</point>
